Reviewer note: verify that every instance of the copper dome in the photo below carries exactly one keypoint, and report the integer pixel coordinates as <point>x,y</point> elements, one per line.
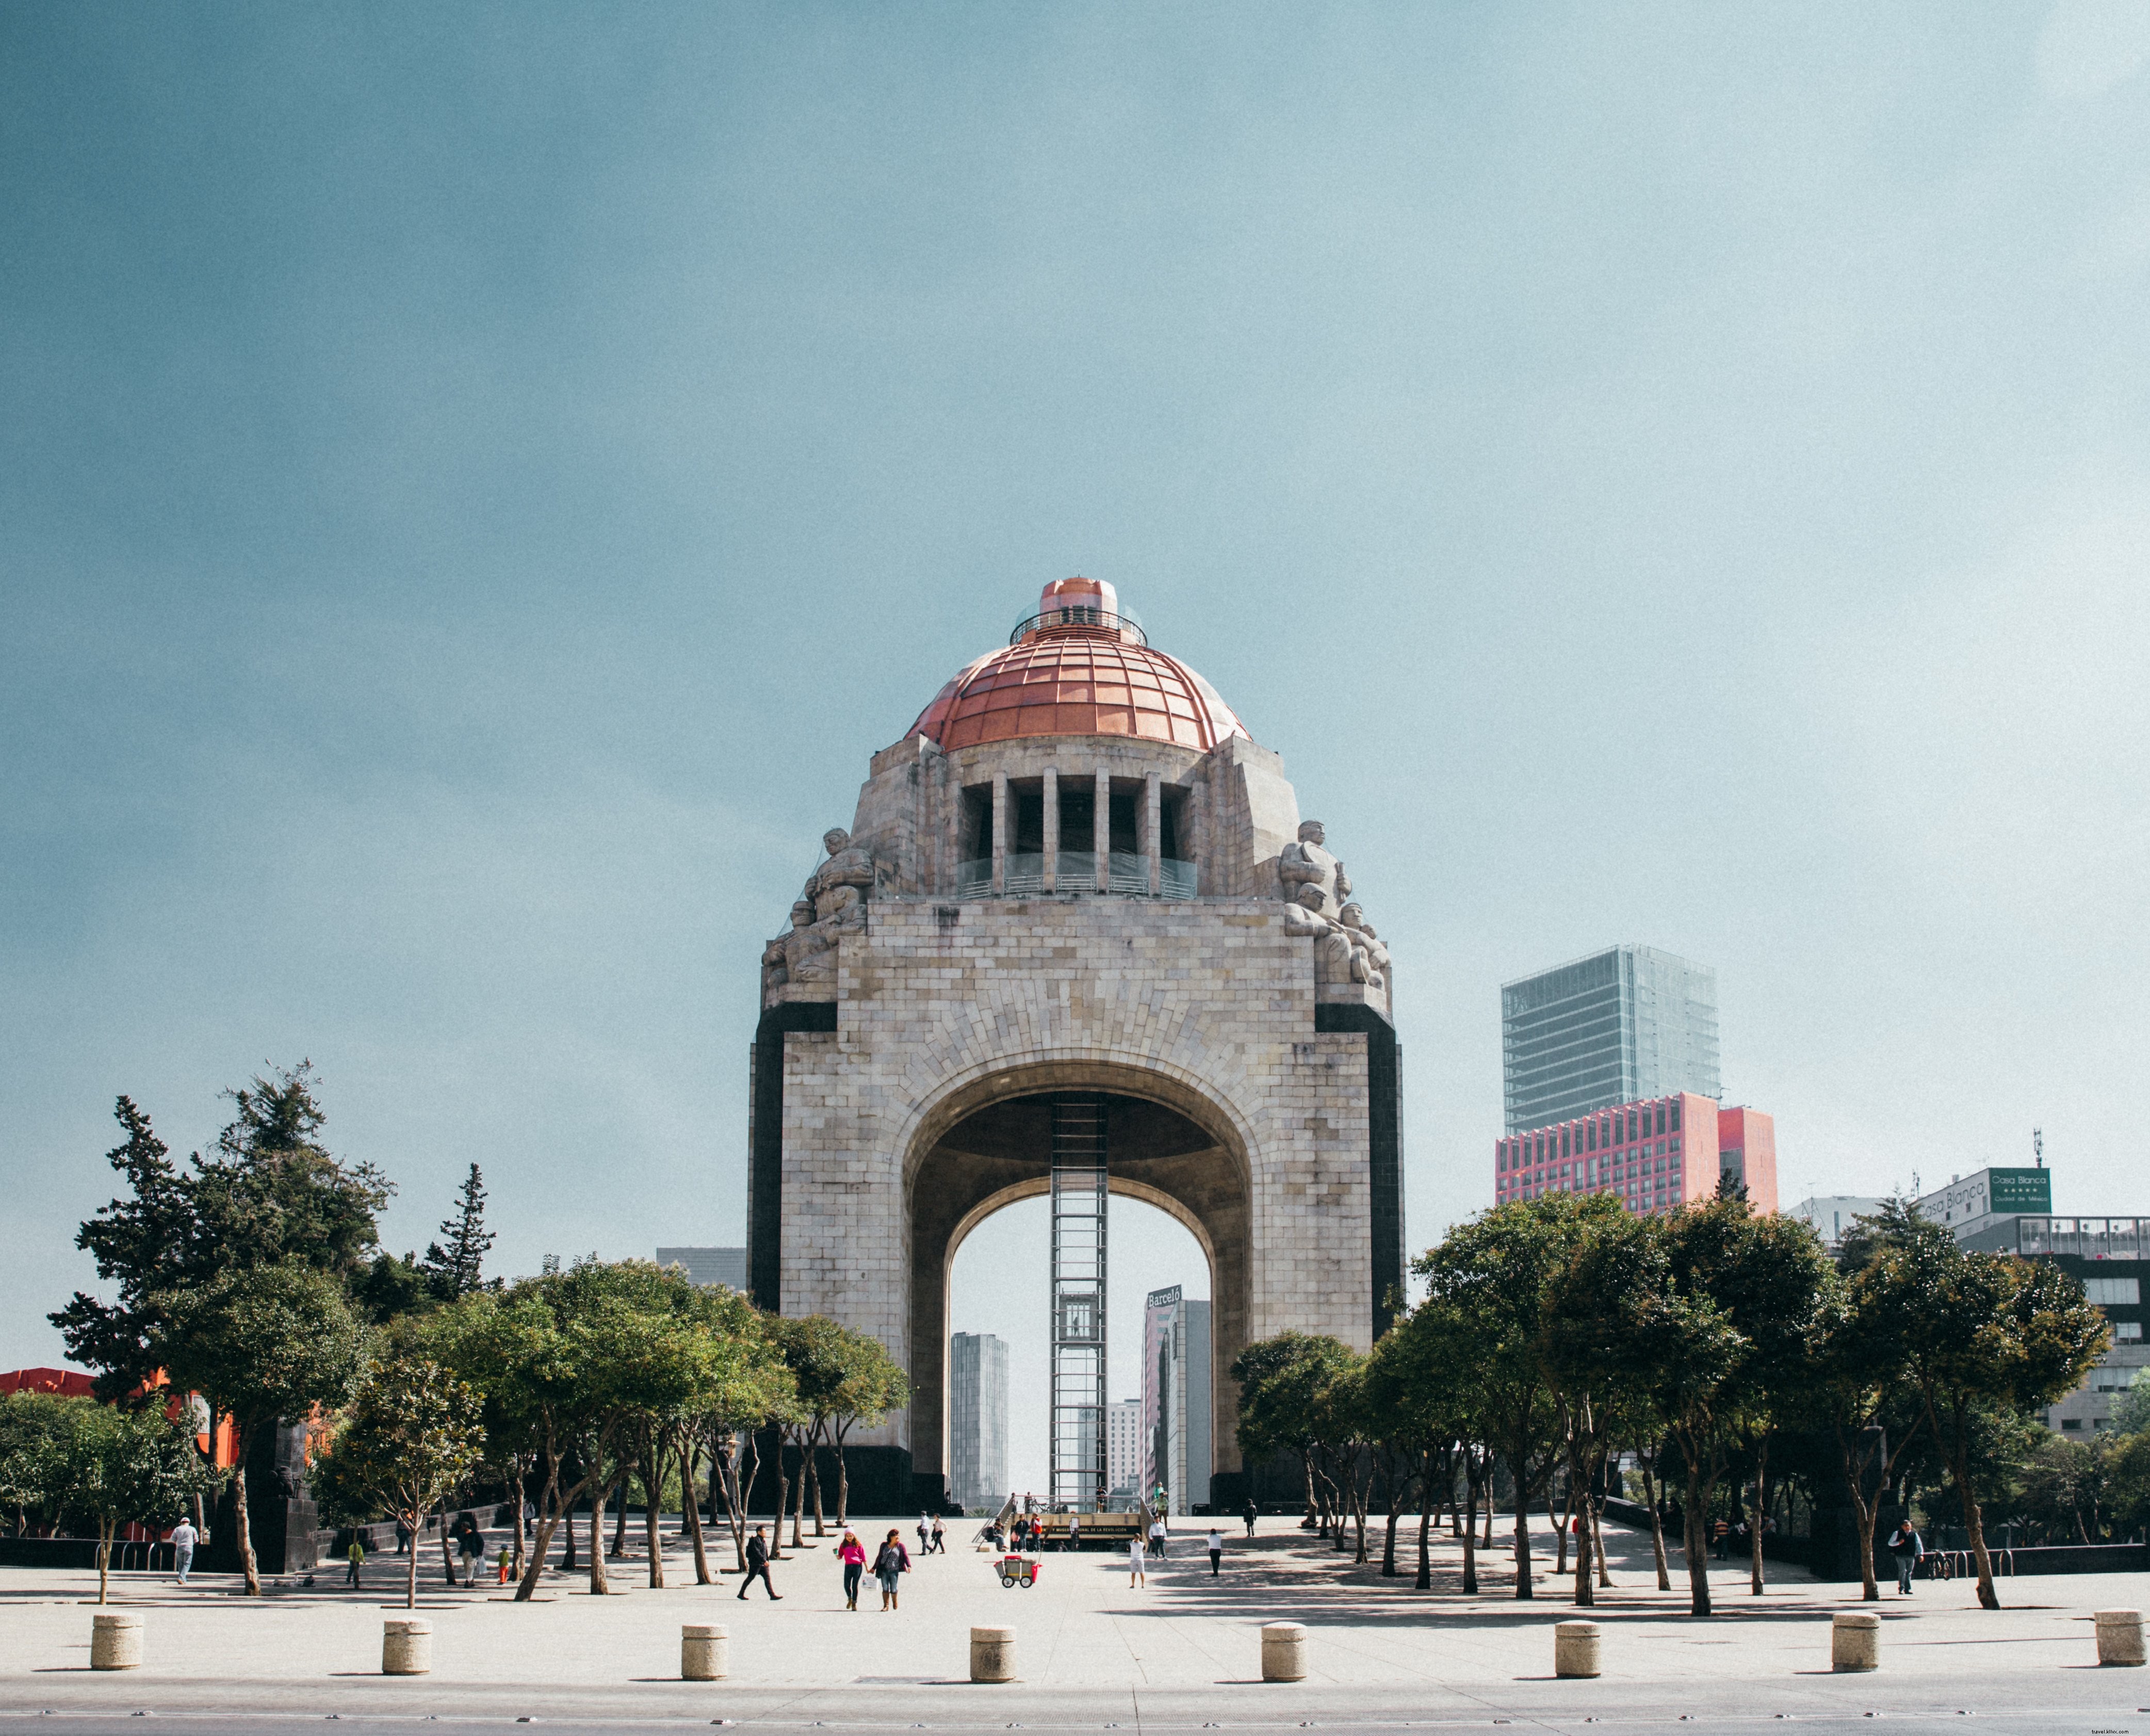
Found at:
<point>1079,667</point>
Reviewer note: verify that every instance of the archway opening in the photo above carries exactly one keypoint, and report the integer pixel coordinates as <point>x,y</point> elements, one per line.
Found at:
<point>1000,1287</point>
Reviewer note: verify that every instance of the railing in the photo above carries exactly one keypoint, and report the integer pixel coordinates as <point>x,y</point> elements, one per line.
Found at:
<point>1127,875</point>
<point>1122,623</point>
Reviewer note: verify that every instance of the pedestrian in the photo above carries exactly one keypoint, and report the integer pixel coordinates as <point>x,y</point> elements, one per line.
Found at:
<point>1250,1516</point>
<point>925,1535</point>
<point>1721,1532</point>
<point>757,1566</point>
<point>890,1565</point>
<point>853,1555</point>
<point>1074,1532</point>
<point>184,1538</point>
<point>470,1545</point>
<point>403,1537</point>
<point>939,1537</point>
<point>1906,1545</point>
<point>1136,1576</point>
<point>1156,1536</point>
<point>355,1555</point>
<point>1216,1550</point>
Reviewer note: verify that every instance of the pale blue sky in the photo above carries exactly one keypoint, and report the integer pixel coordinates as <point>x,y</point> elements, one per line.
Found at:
<point>476,483</point>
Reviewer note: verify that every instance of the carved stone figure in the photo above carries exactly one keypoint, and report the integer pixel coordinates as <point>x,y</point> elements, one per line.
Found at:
<point>1307,864</point>
<point>1370,958</point>
<point>810,950</point>
<point>844,879</point>
<point>1332,942</point>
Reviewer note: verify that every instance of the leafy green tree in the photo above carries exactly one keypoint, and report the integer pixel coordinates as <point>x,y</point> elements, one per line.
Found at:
<point>2131,1409</point>
<point>1493,1273</point>
<point>1281,1381</point>
<point>30,1424</point>
<point>268,1193</point>
<point>1983,1330</point>
<point>2127,1480</point>
<point>259,1343</point>
<point>871,1384</point>
<point>2065,1484</point>
<point>408,1440</point>
<point>109,1466</point>
<point>1861,1392</point>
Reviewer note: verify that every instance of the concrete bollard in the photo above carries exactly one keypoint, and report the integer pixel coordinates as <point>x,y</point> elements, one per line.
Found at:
<point>115,1641</point>
<point>406,1646</point>
<point>1854,1641</point>
<point>705,1651</point>
<point>2120,1636</point>
<point>992,1654</point>
<point>1575,1648</point>
<point>1283,1652</point>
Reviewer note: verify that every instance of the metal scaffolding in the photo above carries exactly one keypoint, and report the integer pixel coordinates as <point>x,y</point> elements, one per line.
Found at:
<point>1078,1303</point>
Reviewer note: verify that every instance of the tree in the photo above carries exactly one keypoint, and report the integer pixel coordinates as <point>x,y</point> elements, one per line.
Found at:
<point>260,1344</point>
<point>110,1466</point>
<point>1861,1391</point>
<point>1281,1380</point>
<point>2131,1410</point>
<point>267,1194</point>
<point>871,1385</point>
<point>30,1423</point>
<point>457,1270</point>
<point>1493,1273</point>
<point>1983,1330</point>
<point>410,1437</point>
<point>2066,1484</point>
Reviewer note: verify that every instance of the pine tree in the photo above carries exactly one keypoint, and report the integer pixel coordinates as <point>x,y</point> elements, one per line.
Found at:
<point>458,1269</point>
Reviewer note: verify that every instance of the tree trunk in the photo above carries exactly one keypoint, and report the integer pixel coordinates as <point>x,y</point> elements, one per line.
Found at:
<point>1560,1526</point>
<point>619,1519</point>
<point>598,1492</point>
<point>783,1495</point>
<point>653,1508</point>
<point>814,1474</point>
<point>798,1503</point>
<point>1973,1520</point>
<point>1516,1468</point>
<point>411,1563</point>
<point>1755,1523</point>
<point>548,1518</point>
<point>105,1529</point>
<point>447,1545</point>
<point>1424,1581</point>
<point>522,1536</point>
<point>1595,1509</point>
<point>1698,1542</point>
<point>843,1478</point>
<point>1470,1530</point>
<point>244,1532</point>
<point>1657,1526</point>
<point>690,1504</point>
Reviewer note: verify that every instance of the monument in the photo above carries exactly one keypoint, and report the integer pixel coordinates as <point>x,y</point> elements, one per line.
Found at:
<point>1075,941</point>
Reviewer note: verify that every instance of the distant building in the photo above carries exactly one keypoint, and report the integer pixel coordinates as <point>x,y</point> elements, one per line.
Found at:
<point>1832,1214</point>
<point>1620,1026</point>
<point>1653,1155</point>
<point>1176,1421</point>
<point>1972,1203</point>
<point>1124,1457</point>
<point>2110,1257</point>
<point>709,1265</point>
<point>977,1421</point>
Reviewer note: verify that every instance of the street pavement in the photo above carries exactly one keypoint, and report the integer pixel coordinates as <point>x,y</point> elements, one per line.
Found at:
<point>1093,1653</point>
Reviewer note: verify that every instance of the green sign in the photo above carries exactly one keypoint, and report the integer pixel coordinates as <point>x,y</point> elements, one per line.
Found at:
<point>2020,1190</point>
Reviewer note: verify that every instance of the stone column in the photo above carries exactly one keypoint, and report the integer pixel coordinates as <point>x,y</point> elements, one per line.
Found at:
<point>1102,828</point>
<point>1153,842</point>
<point>1000,832</point>
<point>1052,830</point>
<point>1197,843</point>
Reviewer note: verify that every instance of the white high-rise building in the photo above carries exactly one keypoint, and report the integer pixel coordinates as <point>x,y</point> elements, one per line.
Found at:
<point>1124,1457</point>
<point>977,1421</point>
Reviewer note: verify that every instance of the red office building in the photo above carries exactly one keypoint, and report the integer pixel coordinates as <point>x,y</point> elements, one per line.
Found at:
<point>1655,1154</point>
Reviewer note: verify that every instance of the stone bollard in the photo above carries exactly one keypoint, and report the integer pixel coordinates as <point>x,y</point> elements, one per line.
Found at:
<point>992,1654</point>
<point>406,1646</point>
<point>2120,1636</point>
<point>1283,1652</point>
<point>115,1641</point>
<point>1854,1641</point>
<point>705,1651</point>
<point>1575,1648</point>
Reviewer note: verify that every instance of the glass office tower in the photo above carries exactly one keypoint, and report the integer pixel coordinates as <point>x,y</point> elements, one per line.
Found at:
<point>1622,1025</point>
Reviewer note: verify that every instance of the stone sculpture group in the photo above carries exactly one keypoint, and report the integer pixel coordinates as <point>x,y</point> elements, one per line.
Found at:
<point>1315,884</point>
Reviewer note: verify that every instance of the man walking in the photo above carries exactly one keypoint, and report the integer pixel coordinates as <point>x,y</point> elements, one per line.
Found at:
<point>1156,1536</point>
<point>355,1555</point>
<point>185,1537</point>
<point>1250,1516</point>
<point>1216,1550</point>
<point>1074,1532</point>
<point>940,1538</point>
<point>1906,1545</point>
<point>757,1566</point>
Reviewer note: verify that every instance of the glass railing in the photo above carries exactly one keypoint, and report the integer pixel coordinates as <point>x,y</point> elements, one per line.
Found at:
<point>1127,874</point>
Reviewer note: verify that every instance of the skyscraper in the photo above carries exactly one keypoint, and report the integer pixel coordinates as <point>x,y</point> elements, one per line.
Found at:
<point>1176,1398</point>
<point>977,1419</point>
<point>1124,1457</point>
<point>1620,1026</point>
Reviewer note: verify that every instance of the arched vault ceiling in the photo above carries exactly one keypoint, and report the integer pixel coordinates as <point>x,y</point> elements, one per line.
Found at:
<point>1020,1131</point>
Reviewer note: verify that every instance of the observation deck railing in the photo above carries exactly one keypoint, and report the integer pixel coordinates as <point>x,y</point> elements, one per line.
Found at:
<point>1122,622</point>
<point>1126,875</point>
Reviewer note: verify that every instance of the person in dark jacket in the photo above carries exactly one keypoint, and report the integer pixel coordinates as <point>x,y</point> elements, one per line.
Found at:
<point>1908,1546</point>
<point>757,1566</point>
<point>893,1562</point>
<point>1250,1515</point>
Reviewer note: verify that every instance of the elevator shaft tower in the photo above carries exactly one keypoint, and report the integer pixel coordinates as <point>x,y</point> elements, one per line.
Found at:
<point>1079,1177</point>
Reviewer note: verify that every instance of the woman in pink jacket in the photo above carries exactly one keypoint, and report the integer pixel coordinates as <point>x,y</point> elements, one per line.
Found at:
<point>853,1555</point>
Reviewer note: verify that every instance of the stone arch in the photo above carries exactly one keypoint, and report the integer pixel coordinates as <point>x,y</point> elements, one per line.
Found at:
<point>1175,1146</point>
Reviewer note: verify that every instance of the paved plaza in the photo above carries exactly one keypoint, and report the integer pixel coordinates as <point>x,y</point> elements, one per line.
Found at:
<point>1091,1653</point>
